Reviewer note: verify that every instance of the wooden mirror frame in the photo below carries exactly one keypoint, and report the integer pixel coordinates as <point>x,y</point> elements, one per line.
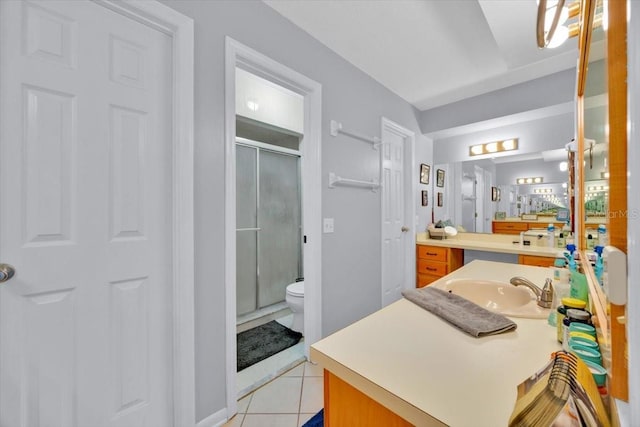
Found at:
<point>613,331</point>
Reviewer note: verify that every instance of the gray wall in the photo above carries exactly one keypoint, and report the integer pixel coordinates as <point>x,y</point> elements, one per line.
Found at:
<point>554,89</point>
<point>350,256</point>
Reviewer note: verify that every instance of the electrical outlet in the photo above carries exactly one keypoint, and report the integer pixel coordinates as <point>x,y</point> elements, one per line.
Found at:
<point>327,225</point>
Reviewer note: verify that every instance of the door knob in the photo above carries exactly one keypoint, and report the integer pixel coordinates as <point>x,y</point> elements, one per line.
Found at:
<point>404,229</point>
<point>6,272</point>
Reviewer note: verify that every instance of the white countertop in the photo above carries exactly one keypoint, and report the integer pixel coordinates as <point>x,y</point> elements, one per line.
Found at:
<point>429,372</point>
<point>490,243</point>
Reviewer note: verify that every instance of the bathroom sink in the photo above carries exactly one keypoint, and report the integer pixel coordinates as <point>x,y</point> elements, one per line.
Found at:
<point>499,297</point>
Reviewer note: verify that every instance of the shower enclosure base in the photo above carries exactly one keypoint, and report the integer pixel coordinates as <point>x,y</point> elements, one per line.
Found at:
<point>261,316</point>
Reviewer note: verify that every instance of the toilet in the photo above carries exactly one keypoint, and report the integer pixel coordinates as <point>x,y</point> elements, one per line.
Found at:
<point>295,301</point>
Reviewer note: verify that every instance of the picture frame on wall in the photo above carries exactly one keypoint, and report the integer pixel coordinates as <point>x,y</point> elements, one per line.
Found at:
<point>494,194</point>
<point>440,199</point>
<point>440,178</point>
<point>425,198</point>
<point>425,171</point>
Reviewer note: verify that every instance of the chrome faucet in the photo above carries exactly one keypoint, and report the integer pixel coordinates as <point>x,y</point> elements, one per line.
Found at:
<point>544,296</point>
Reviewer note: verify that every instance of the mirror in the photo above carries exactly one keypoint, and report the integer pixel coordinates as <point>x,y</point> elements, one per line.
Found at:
<point>596,144</point>
<point>479,203</point>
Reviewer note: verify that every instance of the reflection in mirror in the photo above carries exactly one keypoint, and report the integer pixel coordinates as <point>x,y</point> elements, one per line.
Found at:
<point>596,131</point>
<point>545,199</point>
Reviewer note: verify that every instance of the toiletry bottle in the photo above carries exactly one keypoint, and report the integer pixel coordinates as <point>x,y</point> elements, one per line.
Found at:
<point>590,242</point>
<point>579,288</point>
<point>561,312</point>
<point>560,286</point>
<point>569,255</point>
<point>551,236</point>
<point>603,238</point>
<point>599,267</point>
<point>562,242</point>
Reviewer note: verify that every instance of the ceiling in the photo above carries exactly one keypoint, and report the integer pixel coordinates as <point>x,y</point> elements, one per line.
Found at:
<point>433,52</point>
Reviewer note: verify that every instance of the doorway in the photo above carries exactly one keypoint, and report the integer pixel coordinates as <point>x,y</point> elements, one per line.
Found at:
<point>397,210</point>
<point>239,56</point>
<point>268,258</point>
<point>96,326</point>
<point>268,221</point>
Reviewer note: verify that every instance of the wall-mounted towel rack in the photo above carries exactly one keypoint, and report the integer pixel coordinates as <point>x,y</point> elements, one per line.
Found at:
<point>338,180</point>
<point>336,127</point>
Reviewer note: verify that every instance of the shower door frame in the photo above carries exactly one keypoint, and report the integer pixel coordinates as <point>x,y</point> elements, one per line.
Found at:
<point>262,146</point>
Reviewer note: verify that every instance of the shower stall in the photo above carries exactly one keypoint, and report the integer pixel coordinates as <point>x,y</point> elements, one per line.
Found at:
<point>268,223</point>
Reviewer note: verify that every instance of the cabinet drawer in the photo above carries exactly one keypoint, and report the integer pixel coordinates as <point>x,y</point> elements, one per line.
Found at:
<point>425,279</point>
<point>510,227</point>
<point>433,253</point>
<point>426,266</point>
<point>538,261</point>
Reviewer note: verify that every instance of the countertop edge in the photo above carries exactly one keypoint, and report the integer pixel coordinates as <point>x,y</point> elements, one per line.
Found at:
<point>399,406</point>
<point>516,249</point>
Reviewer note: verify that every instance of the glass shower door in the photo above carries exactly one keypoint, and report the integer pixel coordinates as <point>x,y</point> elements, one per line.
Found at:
<point>268,217</point>
<point>279,218</point>
<point>246,229</point>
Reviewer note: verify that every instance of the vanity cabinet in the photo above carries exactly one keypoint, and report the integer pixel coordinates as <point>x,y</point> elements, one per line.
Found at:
<point>515,227</point>
<point>434,262</point>
<point>536,261</point>
<point>503,227</point>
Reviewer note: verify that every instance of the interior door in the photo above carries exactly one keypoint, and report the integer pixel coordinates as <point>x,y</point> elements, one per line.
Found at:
<point>85,218</point>
<point>393,216</point>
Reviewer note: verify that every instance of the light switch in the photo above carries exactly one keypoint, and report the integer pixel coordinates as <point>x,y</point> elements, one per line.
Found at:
<point>327,225</point>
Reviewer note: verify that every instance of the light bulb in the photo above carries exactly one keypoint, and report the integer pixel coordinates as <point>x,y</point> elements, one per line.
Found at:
<point>559,36</point>
<point>477,149</point>
<point>491,147</point>
<point>563,166</point>
<point>509,144</point>
<point>551,12</point>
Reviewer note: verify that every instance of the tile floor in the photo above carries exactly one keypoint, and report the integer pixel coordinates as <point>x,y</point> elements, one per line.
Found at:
<point>289,400</point>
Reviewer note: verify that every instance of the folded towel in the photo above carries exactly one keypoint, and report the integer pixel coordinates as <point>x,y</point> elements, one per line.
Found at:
<point>461,313</point>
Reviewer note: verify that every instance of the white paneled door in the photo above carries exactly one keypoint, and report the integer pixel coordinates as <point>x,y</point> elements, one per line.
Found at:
<point>85,217</point>
<point>394,229</point>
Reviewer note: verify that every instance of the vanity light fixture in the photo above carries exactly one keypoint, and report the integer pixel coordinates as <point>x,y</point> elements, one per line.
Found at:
<point>493,147</point>
<point>533,180</point>
<point>252,104</point>
<point>553,27</point>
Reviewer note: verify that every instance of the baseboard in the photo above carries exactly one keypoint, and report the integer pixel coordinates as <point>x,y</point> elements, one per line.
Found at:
<point>216,419</point>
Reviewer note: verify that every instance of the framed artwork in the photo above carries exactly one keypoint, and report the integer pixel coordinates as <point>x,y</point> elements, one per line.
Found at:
<point>425,198</point>
<point>425,171</point>
<point>440,178</point>
<point>494,194</point>
<point>440,199</point>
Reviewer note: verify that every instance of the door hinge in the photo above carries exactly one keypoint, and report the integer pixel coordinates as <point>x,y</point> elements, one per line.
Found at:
<point>304,239</point>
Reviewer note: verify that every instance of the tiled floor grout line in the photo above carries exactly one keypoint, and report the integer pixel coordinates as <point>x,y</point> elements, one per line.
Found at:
<point>304,370</point>
<point>308,378</point>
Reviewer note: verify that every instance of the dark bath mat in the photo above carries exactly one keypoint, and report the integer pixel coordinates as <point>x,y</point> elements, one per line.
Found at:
<point>263,341</point>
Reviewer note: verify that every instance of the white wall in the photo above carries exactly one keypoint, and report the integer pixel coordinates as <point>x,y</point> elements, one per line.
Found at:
<point>350,256</point>
<point>261,100</point>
